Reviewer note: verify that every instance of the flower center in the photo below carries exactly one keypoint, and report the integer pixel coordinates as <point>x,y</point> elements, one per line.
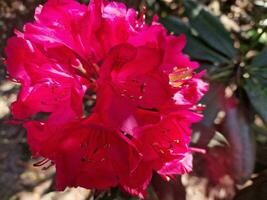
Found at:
<point>179,76</point>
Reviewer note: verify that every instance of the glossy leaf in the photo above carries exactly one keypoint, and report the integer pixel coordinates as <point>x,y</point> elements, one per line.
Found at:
<point>209,28</point>
<point>261,59</point>
<point>255,86</point>
<point>257,94</point>
<point>195,47</point>
<point>202,135</point>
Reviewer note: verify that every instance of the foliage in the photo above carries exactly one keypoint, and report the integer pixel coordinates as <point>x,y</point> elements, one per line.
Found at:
<point>234,130</point>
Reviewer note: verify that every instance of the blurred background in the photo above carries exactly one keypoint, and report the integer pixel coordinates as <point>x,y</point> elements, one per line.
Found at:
<point>229,39</point>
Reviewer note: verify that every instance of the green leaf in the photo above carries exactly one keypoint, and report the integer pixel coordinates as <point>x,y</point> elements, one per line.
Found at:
<point>194,47</point>
<point>260,60</point>
<point>257,94</point>
<point>84,1</point>
<point>209,28</point>
<point>255,87</point>
<point>175,25</point>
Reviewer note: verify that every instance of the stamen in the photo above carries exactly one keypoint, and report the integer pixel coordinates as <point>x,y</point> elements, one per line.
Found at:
<point>141,20</point>
<point>161,151</point>
<point>176,141</point>
<point>197,150</point>
<point>142,15</point>
<point>167,178</point>
<point>41,162</point>
<point>47,167</point>
<point>179,75</point>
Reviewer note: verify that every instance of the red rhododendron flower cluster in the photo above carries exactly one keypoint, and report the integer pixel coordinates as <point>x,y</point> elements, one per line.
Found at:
<point>118,94</point>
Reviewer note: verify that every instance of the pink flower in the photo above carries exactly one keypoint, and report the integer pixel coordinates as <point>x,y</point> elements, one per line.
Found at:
<point>119,95</point>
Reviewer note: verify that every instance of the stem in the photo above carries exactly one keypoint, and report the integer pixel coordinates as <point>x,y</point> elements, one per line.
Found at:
<point>220,75</point>
<point>255,43</point>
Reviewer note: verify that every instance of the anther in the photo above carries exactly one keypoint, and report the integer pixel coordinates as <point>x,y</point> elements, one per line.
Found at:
<point>41,162</point>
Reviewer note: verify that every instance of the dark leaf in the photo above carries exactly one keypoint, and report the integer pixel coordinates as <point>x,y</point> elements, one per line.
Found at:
<point>262,155</point>
<point>194,47</point>
<point>218,140</point>
<point>209,28</point>
<point>175,25</point>
<point>112,194</point>
<point>168,190</point>
<point>256,85</point>
<point>204,131</point>
<point>261,59</point>
<point>202,135</point>
<point>257,94</point>
<point>257,190</point>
